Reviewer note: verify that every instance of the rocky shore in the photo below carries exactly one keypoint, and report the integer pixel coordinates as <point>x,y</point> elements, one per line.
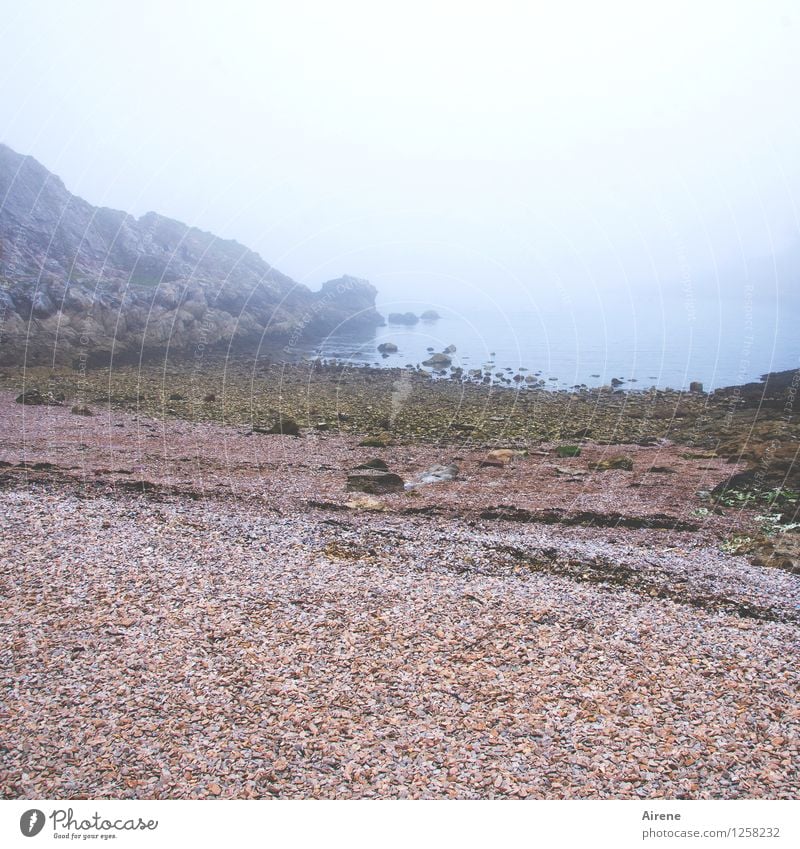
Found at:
<point>567,595</point>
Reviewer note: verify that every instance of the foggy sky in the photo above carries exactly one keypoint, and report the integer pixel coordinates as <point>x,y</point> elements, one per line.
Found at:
<point>437,149</point>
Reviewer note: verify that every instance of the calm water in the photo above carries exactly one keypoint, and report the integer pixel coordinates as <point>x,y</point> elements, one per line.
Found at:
<point>718,343</point>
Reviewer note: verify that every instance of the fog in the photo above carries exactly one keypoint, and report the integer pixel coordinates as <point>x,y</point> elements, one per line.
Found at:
<point>443,151</point>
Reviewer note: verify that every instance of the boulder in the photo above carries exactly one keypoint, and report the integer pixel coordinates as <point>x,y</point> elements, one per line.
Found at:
<point>438,361</point>
<point>695,386</point>
<point>430,315</point>
<point>387,348</point>
<point>82,410</point>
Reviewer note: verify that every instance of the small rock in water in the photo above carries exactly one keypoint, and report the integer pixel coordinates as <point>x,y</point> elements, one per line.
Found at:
<point>438,361</point>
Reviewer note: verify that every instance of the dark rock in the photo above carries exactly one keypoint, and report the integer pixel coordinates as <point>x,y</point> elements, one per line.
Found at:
<point>381,440</point>
<point>430,315</point>
<point>438,361</point>
<point>31,397</point>
<point>402,318</point>
<point>375,463</point>
<point>82,410</point>
<point>695,386</point>
<point>387,348</point>
<point>284,425</point>
<point>176,396</point>
<point>621,462</point>
<point>209,398</point>
<point>374,481</point>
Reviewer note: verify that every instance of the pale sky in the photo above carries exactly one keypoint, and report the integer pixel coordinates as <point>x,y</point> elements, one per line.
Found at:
<point>434,148</point>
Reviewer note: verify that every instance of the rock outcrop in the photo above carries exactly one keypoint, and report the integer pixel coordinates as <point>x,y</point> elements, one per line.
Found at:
<point>82,283</point>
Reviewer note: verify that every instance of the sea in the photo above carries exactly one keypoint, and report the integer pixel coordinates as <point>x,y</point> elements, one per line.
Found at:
<point>666,344</point>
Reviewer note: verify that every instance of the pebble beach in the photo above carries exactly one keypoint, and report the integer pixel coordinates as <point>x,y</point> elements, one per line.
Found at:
<point>195,610</point>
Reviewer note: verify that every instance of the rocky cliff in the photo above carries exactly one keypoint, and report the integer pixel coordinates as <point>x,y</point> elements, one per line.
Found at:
<point>82,283</point>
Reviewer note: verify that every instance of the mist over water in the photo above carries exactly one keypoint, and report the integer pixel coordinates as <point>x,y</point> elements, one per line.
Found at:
<point>669,343</point>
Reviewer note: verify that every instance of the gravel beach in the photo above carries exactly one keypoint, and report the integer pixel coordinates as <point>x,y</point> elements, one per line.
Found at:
<point>191,610</point>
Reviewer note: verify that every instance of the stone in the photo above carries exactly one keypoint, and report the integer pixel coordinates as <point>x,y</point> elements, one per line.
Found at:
<point>695,386</point>
<point>375,463</point>
<point>209,398</point>
<point>31,397</point>
<point>81,410</point>
<point>620,462</point>
<point>381,440</point>
<point>450,349</point>
<point>430,315</point>
<point>365,502</point>
<point>504,455</point>
<point>387,348</point>
<point>374,481</point>
<point>437,474</point>
<point>438,361</point>
<point>402,318</point>
<point>283,425</point>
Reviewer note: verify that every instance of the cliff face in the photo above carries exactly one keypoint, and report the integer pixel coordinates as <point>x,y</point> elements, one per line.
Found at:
<point>81,282</point>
